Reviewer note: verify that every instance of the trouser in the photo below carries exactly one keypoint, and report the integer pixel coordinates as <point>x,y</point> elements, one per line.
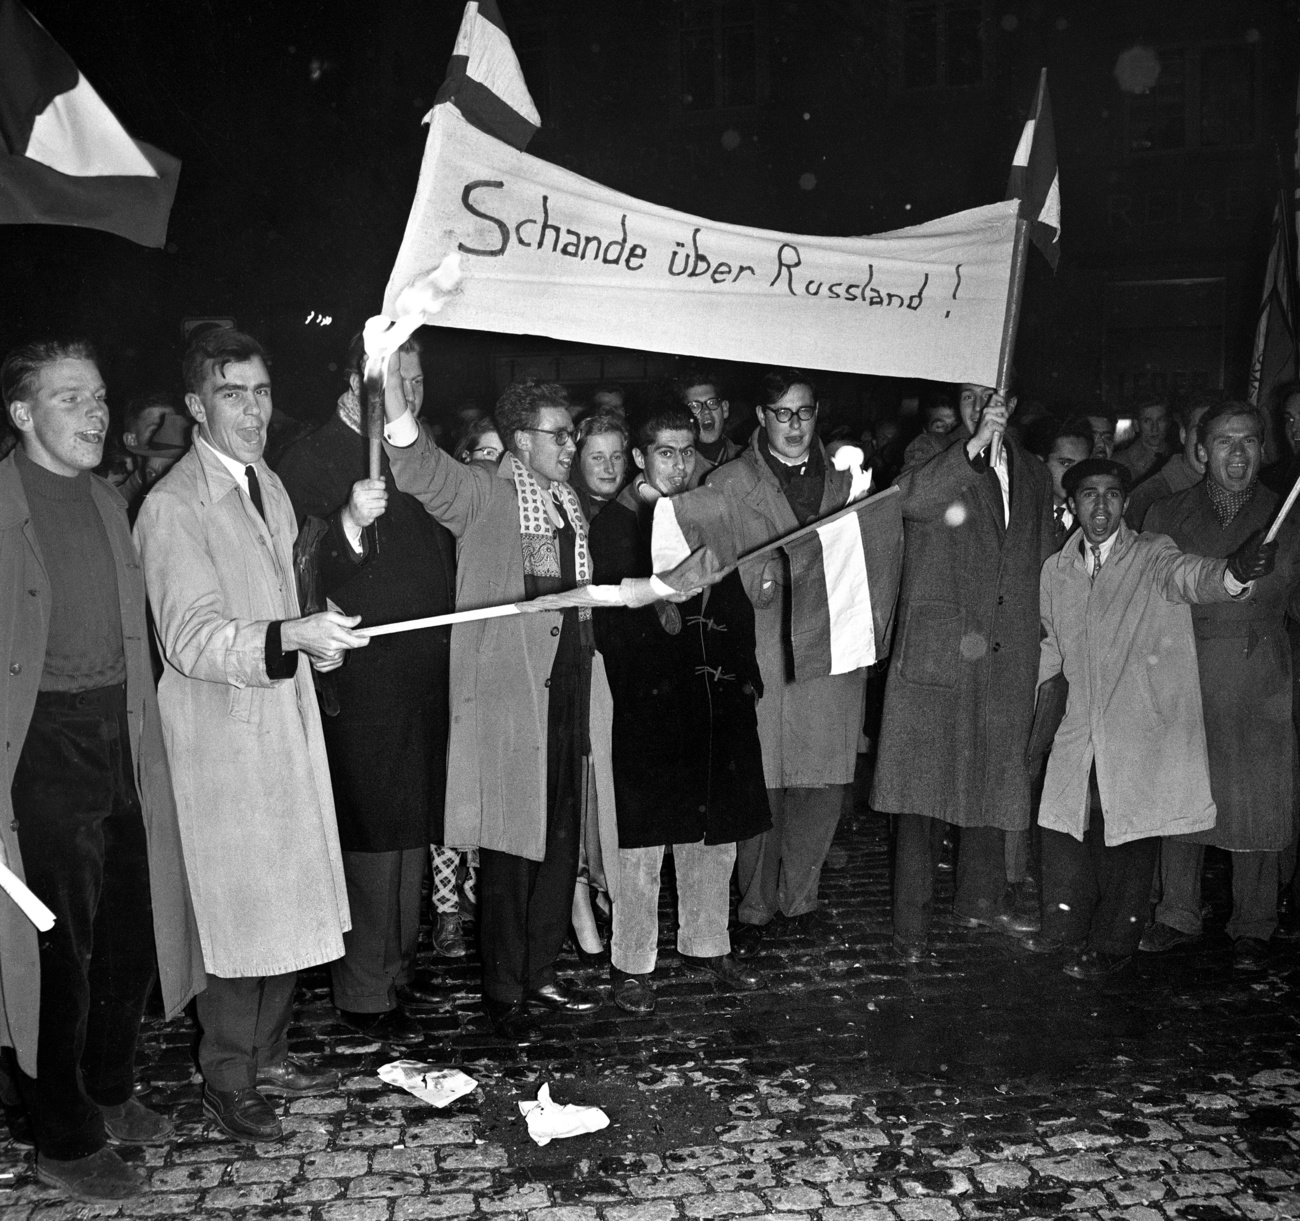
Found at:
<point>82,838</point>
<point>245,1026</point>
<point>780,870</point>
<point>1096,895</point>
<point>379,949</point>
<point>447,884</point>
<point>981,876</point>
<point>1019,848</point>
<point>703,898</point>
<point>1254,890</point>
<point>525,906</point>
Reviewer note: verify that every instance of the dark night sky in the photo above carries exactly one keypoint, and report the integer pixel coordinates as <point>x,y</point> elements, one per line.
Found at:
<point>298,128</point>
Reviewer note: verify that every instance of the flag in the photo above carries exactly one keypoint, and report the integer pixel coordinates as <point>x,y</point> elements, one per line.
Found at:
<point>1035,179</point>
<point>64,157</point>
<point>1274,359</point>
<point>484,80</point>
<point>844,572</point>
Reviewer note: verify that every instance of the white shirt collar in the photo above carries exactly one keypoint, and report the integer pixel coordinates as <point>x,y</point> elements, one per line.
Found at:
<point>235,468</point>
<point>1105,549</point>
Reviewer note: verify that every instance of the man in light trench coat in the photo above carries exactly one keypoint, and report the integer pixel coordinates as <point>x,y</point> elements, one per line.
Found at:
<point>243,731</point>
<point>1128,762</point>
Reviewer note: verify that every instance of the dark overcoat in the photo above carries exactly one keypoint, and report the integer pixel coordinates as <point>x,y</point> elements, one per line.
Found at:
<point>388,742</point>
<point>1244,658</point>
<point>24,627</point>
<point>959,701</point>
<point>687,760</point>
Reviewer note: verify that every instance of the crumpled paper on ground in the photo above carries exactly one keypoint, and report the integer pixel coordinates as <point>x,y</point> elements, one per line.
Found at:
<point>436,1086</point>
<point>548,1121</point>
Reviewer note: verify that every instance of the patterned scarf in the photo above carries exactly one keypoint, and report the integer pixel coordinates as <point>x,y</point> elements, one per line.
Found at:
<point>1228,504</point>
<point>537,531</point>
<point>350,410</point>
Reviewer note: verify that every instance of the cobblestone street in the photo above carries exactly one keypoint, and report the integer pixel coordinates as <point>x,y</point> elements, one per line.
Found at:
<point>983,1083</point>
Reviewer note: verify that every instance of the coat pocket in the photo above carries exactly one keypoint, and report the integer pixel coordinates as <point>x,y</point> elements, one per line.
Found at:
<point>931,645</point>
<point>240,705</point>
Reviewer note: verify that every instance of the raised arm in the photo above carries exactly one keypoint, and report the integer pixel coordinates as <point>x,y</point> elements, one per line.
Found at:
<point>1181,577</point>
<point>934,479</point>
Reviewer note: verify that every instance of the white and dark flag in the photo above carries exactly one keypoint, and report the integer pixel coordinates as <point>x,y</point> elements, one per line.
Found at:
<point>64,157</point>
<point>1035,179</point>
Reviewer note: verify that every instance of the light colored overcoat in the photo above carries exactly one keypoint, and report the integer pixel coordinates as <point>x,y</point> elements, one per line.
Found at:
<point>25,603</point>
<point>252,782</point>
<point>809,731</point>
<point>500,668</point>
<point>1125,644</point>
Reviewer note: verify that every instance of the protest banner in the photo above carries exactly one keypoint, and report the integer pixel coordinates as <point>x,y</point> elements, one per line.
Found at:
<point>544,251</point>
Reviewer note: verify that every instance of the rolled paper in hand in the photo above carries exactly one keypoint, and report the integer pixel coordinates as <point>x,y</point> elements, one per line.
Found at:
<point>31,906</point>
<point>1283,511</point>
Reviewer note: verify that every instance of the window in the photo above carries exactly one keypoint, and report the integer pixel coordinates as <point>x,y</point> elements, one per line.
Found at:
<point>942,44</point>
<point>1164,338</point>
<point>1204,97</point>
<point>719,54</point>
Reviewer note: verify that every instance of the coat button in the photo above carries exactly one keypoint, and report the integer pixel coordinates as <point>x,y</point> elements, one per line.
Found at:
<point>34,592</point>
<point>13,826</point>
<point>997,648</point>
<point>555,631</point>
<point>1001,599</point>
<point>547,683</point>
<point>16,668</point>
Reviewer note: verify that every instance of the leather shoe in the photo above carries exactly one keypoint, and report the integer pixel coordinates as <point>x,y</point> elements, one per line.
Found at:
<point>394,1026</point>
<point>1158,938</point>
<point>1249,954</point>
<point>747,940</point>
<point>911,951</point>
<point>243,1114</point>
<point>559,997</point>
<point>100,1176</point>
<point>511,1021</point>
<point>726,971</point>
<point>448,938</point>
<point>1093,964</point>
<point>1003,922</point>
<point>422,989</point>
<point>133,1123</point>
<point>295,1077</point>
<point>634,993</point>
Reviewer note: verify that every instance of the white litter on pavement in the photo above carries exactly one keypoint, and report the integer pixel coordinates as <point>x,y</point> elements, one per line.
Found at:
<point>548,1121</point>
<point>436,1086</point>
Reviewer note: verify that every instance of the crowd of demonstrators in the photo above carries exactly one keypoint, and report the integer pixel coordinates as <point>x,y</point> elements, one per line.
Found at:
<point>1101,644</point>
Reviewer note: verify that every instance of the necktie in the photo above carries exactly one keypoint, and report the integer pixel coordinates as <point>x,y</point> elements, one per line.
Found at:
<point>255,491</point>
<point>1096,560</point>
<point>1060,524</point>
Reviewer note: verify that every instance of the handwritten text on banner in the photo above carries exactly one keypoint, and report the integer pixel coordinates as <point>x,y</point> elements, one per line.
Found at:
<point>544,251</point>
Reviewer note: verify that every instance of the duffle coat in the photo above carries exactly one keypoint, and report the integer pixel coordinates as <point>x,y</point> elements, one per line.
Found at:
<point>252,781</point>
<point>687,761</point>
<point>500,667</point>
<point>1244,657</point>
<point>1124,642</point>
<point>809,730</point>
<point>24,625</point>
<point>965,661</point>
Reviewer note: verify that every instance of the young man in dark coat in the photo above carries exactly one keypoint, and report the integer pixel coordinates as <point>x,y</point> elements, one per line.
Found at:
<point>386,711</point>
<point>688,767</point>
<point>964,666</point>
<point>1244,657</point>
<point>87,810</point>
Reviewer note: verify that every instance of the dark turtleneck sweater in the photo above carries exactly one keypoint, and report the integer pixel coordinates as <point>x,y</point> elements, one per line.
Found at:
<point>803,484</point>
<point>84,648</point>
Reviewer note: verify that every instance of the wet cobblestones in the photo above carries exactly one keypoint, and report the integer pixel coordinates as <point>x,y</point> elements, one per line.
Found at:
<point>982,1083</point>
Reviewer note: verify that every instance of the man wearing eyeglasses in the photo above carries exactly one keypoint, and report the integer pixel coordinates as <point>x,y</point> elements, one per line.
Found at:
<point>808,730</point>
<point>978,524</point>
<point>529,697</point>
<point>701,392</point>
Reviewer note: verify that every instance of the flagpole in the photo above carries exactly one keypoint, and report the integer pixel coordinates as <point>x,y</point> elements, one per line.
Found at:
<point>373,390</point>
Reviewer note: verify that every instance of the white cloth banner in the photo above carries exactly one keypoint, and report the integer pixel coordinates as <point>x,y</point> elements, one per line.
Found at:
<point>542,251</point>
